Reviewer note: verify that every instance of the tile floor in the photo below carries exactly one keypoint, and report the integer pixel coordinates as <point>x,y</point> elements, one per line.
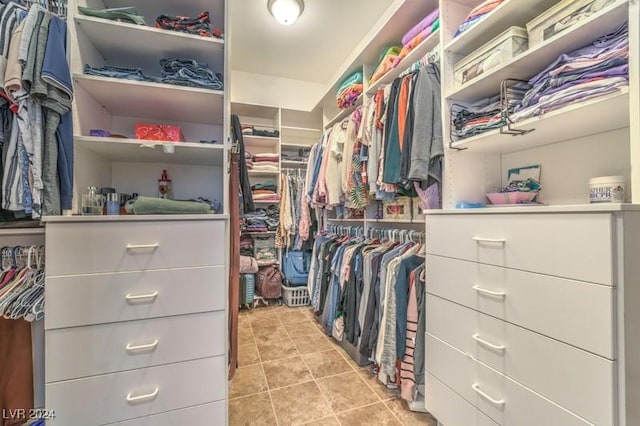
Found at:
<point>290,373</point>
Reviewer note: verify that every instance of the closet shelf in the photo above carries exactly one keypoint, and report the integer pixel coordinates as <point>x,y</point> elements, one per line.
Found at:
<point>261,140</point>
<point>138,45</point>
<point>344,113</point>
<point>406,221</point>
<point>532,61</point>
<point>556,208</point>
<point>301,129</point>
<point>508,14</point>
<point>150,9</point>
<point>333,219</point>
<point>285,145</point>
<point>264,172</point>
<point>143,151</point>
<point>153,100</point>
<point>596,115</point>
<point>414,56</point>
<point>297,164</point>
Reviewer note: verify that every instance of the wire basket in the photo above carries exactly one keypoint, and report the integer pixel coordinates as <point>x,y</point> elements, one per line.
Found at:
<point>295,296</point>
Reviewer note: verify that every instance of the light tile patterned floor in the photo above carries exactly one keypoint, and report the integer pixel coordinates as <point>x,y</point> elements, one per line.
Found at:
<point>291,373</point>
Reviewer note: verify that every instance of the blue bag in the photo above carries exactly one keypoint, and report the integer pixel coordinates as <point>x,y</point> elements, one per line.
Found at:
<point>295,267</point>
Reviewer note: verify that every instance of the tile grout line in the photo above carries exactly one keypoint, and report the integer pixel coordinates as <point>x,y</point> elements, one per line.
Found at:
<point>264,373</point>
<point>315,381</point>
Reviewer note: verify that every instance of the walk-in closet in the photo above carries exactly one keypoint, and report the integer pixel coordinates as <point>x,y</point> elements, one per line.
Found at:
<point>319,212</point>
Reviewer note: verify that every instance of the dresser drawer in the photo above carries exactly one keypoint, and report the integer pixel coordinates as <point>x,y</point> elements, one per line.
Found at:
<point>109,348</point>
<point>115,397</point>
<point>505,401</point>
<point>578,313</point>
<point>450,409</point>
<point>128,296</point>
<point>85,248</point>
<point>552,369</point>
<point>202,415</point>
<point>577,246</point>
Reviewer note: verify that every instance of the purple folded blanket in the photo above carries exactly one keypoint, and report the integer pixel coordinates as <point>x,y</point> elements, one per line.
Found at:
<point>421,26</point>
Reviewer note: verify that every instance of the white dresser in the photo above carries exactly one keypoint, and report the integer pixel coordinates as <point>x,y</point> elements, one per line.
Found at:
<point>533,315</point>
<point>136,321</point>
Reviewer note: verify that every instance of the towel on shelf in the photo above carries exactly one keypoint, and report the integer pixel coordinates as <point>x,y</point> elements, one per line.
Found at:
<point>387,59</point>
<point>149,205</point>
<point>427,22</point>
<point>477,14</point>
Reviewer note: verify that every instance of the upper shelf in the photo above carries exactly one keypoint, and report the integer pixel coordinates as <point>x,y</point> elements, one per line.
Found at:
<point>344,113</point>
<point>414,56</point>
<point>151,9</point>
<point>604,113</point>
<point>153,100</point>
<point>508,14</point>
<point>127,44</point>
<point>143,151</point>
<point>532,61</point>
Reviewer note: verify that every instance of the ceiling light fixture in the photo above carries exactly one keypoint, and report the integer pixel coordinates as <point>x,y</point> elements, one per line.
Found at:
<point>286,12</point>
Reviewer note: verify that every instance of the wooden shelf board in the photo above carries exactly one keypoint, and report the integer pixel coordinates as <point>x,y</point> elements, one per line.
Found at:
<point>532,61</point>
<point>594,116</point>
<point>142,151</point>
<point>153,100</point>
<point>125,44</point>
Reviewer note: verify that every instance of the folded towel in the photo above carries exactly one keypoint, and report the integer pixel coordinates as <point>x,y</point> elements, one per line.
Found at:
<point>355,78</point>
<point>149,205</point>
<point>421,26</point>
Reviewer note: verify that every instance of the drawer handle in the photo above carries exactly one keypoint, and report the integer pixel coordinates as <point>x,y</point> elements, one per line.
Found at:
<point>131,348</point>
<point>131,297</point>
<point>131,398</point>
<point>489,292</point>
<point>483,342</point>
<point>498,402</point>
<point>489,240</point>
<point>142,246</point>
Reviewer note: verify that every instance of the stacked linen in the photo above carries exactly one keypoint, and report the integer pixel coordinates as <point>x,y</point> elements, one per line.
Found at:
<point>478,14</point>
<point>386,63</point>
<point>418,34</point>
<point>487,114</point>
<point>262,220</point>
<point>200,25</point>
<point>189,72</point>
<point>598,69</point>
<point>349,91</point>
<point>264,162</point>
<point>265,191</point>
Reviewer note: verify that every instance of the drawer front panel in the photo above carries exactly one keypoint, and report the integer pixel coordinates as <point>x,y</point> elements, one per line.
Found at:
<point>546,366</point>
<point>575,312</point>
<point>86,248</point>
<point>577,246</point>
<point>502,399</point>
<point>123,396</point>
<point>450,408</point>
<point>202,415</point>
<point>133,295</point>
<point>109,348</point>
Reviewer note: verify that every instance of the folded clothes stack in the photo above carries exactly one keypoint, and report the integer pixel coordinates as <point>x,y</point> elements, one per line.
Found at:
<point>478,14</point>
<point>598,69</point>
<point>123,14</point>
<point>262,220</point>
<point>486,114</point>
<point>418,34</point>
<point>263,162</point>
<point>265,192</point>
<point>385,64</point>
<point>189,72</point>
<point>246,242</point>
<point>349,91</point>
<point>200,25</point>
<point>181,72</point>
<point>252,131</point>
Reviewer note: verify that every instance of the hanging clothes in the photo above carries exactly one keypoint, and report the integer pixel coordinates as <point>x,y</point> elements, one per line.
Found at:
<point>245,184</point>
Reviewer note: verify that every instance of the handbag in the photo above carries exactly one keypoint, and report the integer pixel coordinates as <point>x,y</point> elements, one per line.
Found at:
<point>295,267</point>
<point>269,282</point>
<point>159,132</point>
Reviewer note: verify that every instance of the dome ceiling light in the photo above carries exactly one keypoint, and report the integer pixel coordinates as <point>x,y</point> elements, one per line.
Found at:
<point>286,12</point>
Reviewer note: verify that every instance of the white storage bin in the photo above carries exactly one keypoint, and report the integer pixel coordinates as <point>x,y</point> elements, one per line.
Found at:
<point>561,17</point>
<point>502,48</point>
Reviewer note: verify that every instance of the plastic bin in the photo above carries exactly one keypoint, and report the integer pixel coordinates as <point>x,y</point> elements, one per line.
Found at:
<point>561,17</point>
<point>295,296</point>
<point>502,48</point>
<point>264,249</point>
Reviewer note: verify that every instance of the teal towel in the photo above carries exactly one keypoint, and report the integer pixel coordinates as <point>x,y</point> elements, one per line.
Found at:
<point>355,78</point>
<point>149,205</point>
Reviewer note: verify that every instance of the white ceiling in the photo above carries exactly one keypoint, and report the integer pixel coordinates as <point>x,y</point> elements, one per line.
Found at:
<point>312,49</point>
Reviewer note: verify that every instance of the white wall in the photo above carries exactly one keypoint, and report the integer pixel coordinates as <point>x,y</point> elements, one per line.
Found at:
<point>259,89</point>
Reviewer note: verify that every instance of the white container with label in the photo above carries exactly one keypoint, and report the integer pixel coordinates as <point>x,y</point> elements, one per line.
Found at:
<point>606,189</point>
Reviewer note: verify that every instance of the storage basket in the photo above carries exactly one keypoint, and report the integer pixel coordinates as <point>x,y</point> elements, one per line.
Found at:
<point>264,249</point>
<point>295,296</point>
<point>400,208</point>
<point>561,17</point>
<point>502,48</point>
